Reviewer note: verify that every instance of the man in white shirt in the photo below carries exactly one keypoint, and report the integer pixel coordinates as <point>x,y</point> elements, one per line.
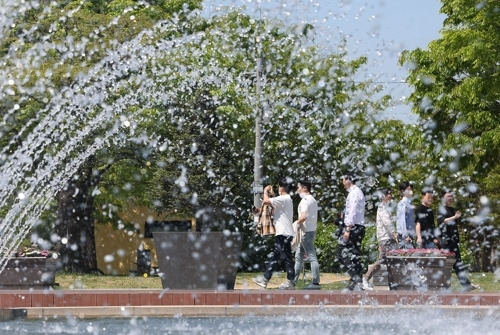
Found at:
<point>282,251</point>
<point>349,244</point>
<point>308,219</point>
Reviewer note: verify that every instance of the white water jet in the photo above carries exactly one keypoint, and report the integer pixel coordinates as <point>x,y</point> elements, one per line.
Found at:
<point>63,134</point>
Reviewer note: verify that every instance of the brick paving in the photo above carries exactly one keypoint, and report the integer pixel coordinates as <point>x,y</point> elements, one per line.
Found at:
<point>146,297</point>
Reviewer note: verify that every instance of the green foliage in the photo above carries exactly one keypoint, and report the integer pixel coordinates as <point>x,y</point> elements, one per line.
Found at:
<point>326,245</point>
<point>457,85</point>
<point>369,247</point>
<point>189,110</point>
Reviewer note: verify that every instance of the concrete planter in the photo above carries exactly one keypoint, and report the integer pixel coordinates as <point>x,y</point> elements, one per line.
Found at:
<point>198,260</point>
<point>28,272</point>
<point>419,273</point>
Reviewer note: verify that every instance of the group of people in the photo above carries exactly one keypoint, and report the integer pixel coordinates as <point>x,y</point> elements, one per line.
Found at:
<point>415,227</point>
<point>305,225</point>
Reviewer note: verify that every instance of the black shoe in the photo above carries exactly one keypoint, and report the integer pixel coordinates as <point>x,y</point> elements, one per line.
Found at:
<point>355,285</point>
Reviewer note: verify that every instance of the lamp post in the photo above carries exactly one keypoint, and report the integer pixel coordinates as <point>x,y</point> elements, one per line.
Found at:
<point>257,186</point>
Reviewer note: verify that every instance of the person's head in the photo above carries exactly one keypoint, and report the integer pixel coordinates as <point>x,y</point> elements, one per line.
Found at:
<point>303,187</point>
<point>348,180</point>
<point>386,194</point>
<point>447,198</point>
<point>406,189</point>
<point>285,185</point>
<point>427,196</point>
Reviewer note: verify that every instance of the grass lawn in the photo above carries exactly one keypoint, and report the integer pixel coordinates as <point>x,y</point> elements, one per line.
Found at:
<point>487,282</point>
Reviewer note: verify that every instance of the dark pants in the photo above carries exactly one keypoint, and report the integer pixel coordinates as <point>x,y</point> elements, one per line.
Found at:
<point>282,252</point>
<point>459,266</point>
<point>349,253</point>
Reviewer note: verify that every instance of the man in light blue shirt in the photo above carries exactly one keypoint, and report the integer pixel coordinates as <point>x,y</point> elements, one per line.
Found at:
<point>406,216</point>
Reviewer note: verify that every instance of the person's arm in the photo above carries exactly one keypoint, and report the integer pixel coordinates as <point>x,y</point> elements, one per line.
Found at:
<point>452,218</point>
<point>418,229</point>
<point>302,218</point>
<point>350,209</point>
<point>441,217</point>
<point>389,225</point>
<point>267,200</point>
<point>303,207</point>
<point>348,216</point>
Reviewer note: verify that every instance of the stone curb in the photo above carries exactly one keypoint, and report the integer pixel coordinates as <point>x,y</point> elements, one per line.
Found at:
<point>228,311</point>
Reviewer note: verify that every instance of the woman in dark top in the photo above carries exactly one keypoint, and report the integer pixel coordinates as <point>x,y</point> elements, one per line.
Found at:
<point>448,221</point>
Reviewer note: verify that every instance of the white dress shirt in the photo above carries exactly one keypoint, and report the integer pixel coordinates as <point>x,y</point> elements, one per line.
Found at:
<point>354,207</point>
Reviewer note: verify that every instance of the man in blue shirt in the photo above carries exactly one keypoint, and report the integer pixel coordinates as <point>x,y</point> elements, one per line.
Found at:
<point>406,216</point>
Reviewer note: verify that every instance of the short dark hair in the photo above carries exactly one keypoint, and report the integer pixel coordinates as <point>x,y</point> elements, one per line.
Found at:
<point>350,176</point>
<point>287,184</point>
<point>385,191</point>
<point>306,184</point>
<point>426,190</point>
<point>404,185</point>
<point>444,191</point>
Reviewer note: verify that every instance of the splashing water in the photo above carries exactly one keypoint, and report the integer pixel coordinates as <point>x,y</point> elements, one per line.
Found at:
<point>87,116</point>
<point>382,322</point>
<point>93,112</point>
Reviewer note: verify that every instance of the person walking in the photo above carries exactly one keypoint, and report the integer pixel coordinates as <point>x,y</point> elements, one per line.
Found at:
<point>282,250</point>
<point>308,219</point>
<point>349,244</point>
<point>448,222</point>
<point>387,236</point>
<point>424,221</point>
<point>406,216</point>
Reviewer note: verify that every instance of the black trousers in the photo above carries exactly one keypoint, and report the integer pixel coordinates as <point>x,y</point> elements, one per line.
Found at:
<point>459,266</point>
<point>282,253</point>
<point>349,252</point>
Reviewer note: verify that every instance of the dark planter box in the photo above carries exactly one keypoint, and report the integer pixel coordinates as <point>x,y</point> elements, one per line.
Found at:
<point>381,277</point>
<point>198,260</point>
<point>28,272</point>
<point>411,273</point>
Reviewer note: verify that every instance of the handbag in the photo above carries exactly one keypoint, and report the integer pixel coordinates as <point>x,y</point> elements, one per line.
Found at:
<point>265,225</point>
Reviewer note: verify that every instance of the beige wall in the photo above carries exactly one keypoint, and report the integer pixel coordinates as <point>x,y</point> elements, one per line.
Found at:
<point>116,249</point>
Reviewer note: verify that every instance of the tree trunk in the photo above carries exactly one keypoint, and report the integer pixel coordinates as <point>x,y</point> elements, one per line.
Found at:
<point>75,222</point>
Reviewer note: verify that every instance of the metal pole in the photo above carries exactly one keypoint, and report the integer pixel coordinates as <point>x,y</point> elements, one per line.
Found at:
<point>258,188</point>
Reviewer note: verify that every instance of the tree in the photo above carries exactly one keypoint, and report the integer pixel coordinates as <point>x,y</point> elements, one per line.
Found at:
<point>314,125</point>
<point>65,43</point>
<point>456,88</point>
<point>181,92</point>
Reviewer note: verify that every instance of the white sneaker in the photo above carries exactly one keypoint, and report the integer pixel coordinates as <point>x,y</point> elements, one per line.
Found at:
<point>366,285</point>
<point>470,287</point>
<point>261,281</point>
<point>288,285</point>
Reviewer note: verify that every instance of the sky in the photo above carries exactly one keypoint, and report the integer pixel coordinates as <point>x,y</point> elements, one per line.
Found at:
<point>379,29</point>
